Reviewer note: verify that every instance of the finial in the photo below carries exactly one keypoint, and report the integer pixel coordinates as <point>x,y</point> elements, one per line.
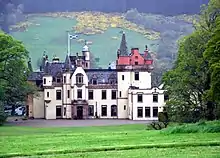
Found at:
<point>146,47</point>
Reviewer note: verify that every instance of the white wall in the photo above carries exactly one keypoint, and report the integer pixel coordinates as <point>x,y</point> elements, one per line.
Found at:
<point>147,102</point>
<point>50,108</point>
<point>38,106</point>
<point>122,100</point>
<point>49,80</point>
<point>144,80</point>
<point>97,100</point>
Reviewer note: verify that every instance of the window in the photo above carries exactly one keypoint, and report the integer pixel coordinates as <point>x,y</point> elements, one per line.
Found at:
<point>103,94</point>
<point>104,110</point>
<point>124,107</point>
<point>68,93</point>
<point>94,81</point>
<point>79,93</point>
<point>136,57</point>
<point>64,111</point>
<point>120,94</point>
<point>166,97</point>
<point>86,65</point>
<point>79,78</point>
<point>58,111</point>
<point>113,94</point>
<point>48,94</point>
<point>90,94</point>
<point>44,80</point>
<point>147,111</point>
<point>113,110</point>
<point>58,94</point>
<point>140,112</point>
<point>64,79</point>
<point>91,110</point>
<point>135,63</point>
<point>139,98</point>
<point>123,77</point>
<point>155,111</point>
<point>155,98</point>
<point>136,76</point>
<point>58,80</point>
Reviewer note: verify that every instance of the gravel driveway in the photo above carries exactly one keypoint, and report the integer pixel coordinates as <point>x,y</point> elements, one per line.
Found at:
<point>72,123</point>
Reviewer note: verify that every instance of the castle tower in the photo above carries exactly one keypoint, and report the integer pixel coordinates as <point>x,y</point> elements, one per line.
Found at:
<point>86,54</point>
<point>134,70</point>
<point>67,91</point>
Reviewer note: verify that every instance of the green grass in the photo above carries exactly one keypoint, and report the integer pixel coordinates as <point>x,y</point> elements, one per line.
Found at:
<point>109,141</point>
<point>190,152</point>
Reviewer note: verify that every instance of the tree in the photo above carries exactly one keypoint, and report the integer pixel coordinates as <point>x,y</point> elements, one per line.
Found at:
<point>194,82</point>
<point>13,71</point>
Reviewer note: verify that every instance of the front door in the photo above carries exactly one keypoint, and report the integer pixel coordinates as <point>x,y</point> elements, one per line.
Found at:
<point>80,112</point>
<point>58,112</point>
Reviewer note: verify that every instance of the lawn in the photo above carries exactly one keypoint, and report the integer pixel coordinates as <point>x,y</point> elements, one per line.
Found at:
<point>109,141</point>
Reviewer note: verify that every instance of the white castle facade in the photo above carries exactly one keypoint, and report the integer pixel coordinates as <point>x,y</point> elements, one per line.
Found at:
<point>73,90</point>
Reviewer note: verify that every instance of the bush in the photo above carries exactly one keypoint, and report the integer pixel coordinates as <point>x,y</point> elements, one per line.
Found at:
<point>3,118</point>
<point>200,127</point>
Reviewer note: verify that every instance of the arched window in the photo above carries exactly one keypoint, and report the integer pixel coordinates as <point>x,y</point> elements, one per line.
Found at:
<point>114,110</point>
<point>79,78</point>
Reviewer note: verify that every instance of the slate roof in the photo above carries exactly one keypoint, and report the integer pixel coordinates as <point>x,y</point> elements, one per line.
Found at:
<point>35,76</point>
<point>102,76</point>
<point>55,68</point>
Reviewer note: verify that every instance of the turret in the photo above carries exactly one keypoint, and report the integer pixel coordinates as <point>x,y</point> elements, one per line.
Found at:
<point>86,54</point>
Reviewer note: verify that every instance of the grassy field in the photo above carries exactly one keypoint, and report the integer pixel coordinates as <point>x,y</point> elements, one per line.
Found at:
<point>111,141</point>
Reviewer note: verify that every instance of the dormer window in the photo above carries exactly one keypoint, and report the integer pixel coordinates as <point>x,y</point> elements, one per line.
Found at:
<point>79,78</point>
<point>58,80</point>
<point>94,81</point>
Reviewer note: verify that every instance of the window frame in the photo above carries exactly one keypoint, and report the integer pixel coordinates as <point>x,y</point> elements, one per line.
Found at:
<point>140,95</point>
<point>157,96</point>
<point>140,108</point>
<point>154,111</point>
<point>136,76</point>
<point>114,95</point>
<point>92,98</point>
<point>102,107</point>
<point>91,114</point>
<point>147,108</point>
<point>58,98</point>
<point>104,97</point>
<point>79,91</point>
<point>114,111</point>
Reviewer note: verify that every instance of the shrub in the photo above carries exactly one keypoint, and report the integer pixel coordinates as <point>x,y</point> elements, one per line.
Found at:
<point>3,116</point>
<point>200,127</point>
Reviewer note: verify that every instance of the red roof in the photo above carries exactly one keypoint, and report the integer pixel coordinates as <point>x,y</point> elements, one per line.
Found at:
<point>135,58</point>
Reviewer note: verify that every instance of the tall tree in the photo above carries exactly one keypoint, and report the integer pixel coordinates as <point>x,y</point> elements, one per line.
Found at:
<point>13,71</point>
<point>195,76</point>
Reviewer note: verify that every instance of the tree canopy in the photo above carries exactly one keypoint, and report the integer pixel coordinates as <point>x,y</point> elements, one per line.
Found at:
<point>13,71</point>
<point>193,84</point>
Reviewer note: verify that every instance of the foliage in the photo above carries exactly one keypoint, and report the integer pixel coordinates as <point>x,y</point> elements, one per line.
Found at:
<point>194,79</point>
<point>13,71</point>
<point>200,127</point>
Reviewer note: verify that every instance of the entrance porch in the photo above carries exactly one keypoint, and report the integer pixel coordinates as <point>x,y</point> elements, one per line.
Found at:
<point>79,109</point>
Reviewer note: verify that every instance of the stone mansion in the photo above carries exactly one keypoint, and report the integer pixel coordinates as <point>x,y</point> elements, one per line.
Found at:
<point>73,90</point>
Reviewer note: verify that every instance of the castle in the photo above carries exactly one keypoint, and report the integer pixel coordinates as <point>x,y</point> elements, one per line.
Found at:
<point>74,90</point>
